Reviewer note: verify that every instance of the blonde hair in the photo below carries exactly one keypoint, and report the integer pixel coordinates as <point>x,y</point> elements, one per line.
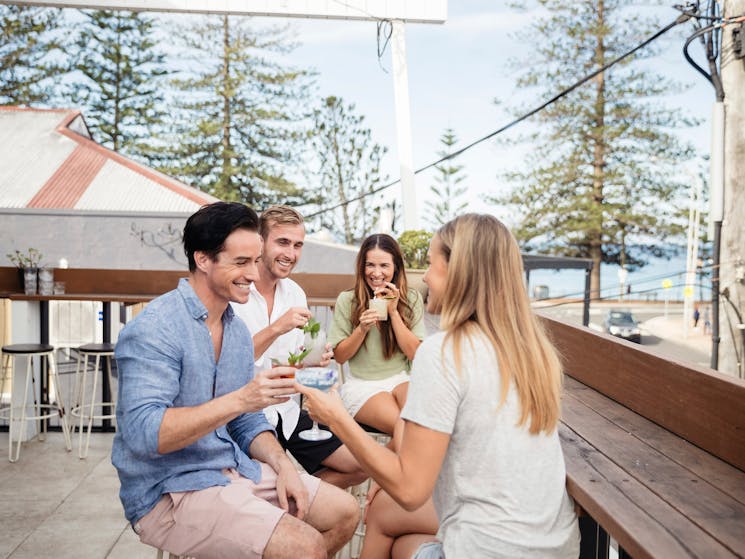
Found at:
<point>485,293</point>
<point>278,215</point>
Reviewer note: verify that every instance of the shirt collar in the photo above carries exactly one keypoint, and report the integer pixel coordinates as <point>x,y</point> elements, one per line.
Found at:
<point>194,303</point>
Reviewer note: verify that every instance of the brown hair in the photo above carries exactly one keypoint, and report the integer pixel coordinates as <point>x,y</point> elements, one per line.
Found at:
<point>485,293</point>
<point>278,215</point>
<point>363,293</point>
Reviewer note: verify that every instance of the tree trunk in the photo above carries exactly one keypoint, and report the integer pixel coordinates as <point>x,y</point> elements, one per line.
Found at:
<point>732,254</point>
<point>226,117</point>
<point>598,161</point>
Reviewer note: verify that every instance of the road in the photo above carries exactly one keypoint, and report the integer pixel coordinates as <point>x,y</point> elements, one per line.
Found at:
<point>662,331</point>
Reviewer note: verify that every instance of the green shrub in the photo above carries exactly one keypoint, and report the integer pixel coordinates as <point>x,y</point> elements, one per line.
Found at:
<point>414,245</point>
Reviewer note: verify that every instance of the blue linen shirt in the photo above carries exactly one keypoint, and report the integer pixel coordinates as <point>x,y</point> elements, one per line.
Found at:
<point>165,359</point>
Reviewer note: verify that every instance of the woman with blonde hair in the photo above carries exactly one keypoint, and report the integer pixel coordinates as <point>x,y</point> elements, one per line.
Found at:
<point>379,350</point>
<point>480,422</point>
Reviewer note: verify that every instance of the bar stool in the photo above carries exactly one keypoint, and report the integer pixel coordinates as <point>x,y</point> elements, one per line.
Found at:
<point>103,354</point>
<point>20,403</point>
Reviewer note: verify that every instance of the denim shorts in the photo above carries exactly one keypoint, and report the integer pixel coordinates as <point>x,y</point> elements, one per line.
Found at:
<point>429,550</point>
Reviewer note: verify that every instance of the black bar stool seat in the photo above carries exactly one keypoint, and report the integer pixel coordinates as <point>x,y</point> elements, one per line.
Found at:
<point>18,349</point>
<point>97,348</point>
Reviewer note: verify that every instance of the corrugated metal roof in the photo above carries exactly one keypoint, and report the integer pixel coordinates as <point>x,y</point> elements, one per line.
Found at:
<point>48,160</point>
<point>65,187</point>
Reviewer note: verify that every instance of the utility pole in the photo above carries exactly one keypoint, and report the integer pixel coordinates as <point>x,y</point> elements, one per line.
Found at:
<point>732,269</point>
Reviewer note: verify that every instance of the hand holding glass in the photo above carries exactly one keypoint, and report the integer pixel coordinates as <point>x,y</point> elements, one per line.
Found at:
<point>380,305</point>
<point>322,379</point>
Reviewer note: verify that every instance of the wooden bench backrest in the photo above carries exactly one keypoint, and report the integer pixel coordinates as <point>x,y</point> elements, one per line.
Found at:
<point>700,405</point>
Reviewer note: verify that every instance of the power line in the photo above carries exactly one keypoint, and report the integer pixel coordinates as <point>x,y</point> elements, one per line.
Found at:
<point>682,18</point>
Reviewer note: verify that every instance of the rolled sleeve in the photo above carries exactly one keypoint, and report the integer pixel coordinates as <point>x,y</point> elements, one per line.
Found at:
<point>244,429</point>
<point>148,385</point>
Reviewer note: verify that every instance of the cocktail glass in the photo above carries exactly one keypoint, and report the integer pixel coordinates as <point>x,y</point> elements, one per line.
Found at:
<point>321,378</point>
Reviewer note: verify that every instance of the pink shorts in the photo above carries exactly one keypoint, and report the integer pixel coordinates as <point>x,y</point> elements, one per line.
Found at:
<point>234,520</point>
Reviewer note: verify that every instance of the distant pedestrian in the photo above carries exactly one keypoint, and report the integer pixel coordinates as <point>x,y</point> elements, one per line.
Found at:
<point>707,320</point>
<point>696,316</point>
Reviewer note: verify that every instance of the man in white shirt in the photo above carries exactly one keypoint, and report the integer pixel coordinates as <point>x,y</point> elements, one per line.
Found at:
<point>276,311</point>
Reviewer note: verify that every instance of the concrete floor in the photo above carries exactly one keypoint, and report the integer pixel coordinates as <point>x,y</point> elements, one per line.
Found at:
<point>56,505</point>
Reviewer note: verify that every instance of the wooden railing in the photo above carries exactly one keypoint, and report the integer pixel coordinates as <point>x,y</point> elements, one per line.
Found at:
<point>143,284</point>
<point>655,449</point>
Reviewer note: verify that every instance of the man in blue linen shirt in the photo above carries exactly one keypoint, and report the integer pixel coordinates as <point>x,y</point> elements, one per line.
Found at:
<point>201,471</point>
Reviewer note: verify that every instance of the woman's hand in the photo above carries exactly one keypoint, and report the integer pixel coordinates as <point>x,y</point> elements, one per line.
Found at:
<point>390,293</point>
<point>368,318</point>
<point>323,407</point>
<point>327,356</point>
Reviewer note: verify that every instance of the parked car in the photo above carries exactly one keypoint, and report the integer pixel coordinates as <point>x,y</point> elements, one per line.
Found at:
<point>623,325</point>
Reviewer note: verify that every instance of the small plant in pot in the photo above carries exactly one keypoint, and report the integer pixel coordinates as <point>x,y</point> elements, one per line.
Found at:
<point>28,265</point>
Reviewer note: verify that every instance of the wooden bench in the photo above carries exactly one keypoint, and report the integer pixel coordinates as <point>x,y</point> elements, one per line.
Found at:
<point>655,450</point>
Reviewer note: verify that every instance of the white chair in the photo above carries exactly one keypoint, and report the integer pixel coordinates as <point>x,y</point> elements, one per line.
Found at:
<point>103,355</point>
<point>20,402</point>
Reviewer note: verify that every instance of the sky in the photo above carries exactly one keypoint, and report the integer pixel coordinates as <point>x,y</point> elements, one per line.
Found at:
<point>455,72</point>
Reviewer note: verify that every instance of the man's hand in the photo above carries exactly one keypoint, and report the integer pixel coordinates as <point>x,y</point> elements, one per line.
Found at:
<point>289,487</point>
<point>268,388</point>
<point>296,317</point>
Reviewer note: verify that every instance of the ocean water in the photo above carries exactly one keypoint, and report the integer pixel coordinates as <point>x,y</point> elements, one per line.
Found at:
<point>645,283</point>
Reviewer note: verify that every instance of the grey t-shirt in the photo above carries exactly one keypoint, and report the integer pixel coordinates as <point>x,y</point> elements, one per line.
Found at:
<point>501,491</point>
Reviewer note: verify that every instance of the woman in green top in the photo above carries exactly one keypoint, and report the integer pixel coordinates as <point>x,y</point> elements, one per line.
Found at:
<point>379,351</point>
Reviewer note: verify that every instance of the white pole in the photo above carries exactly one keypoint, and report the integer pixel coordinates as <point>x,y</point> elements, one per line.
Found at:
<point>403,125</point>
<point>690,262</point>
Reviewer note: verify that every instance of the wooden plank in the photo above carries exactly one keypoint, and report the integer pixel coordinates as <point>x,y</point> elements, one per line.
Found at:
<point>10,280</point>
<point>643,524</point>
<point>93,281</point>
<point>324,286</point>
<point>712,510</point>
<point>708,467</point>
<point>659,389</point>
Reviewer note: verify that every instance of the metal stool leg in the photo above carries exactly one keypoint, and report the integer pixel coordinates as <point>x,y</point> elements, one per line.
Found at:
<point>4,372</point>
<point>77,391</point>
<point>83,453</point>
<point>81,409</point>
<point>54,377</point>
<point>111,405</point>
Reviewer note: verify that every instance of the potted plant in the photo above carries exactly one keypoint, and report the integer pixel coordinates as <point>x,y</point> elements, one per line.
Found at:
<point>414,244</point>
<point>28,266</point>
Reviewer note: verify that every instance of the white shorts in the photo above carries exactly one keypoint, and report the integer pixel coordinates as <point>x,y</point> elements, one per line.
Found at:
<point>356,391</point>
